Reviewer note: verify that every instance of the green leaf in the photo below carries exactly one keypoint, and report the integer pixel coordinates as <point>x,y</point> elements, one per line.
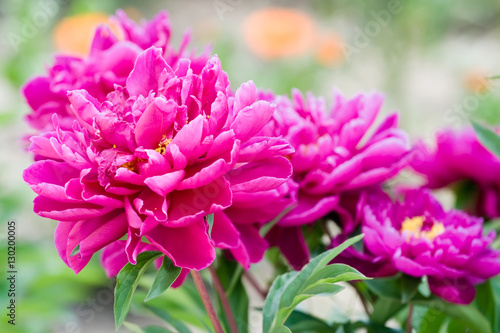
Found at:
<point>385,308</point>
<point>432,321</point>
<point>238,300</point>
<point>302,280</point>
<point>323,289</point>
<point>488,301</point>
<point>164,278</point>
<point>385,287</point>
<point>234,280</point>
<point>133,328</point>
<point>409,287</point>
<point>271,305</point>
<point>369,326</point>
<point>156,329</point>
<point>282,329</point>
<point>335,273</point>
<point>466,194</point>
<point>468,315</point>
<point>290,289</point>
<point>491,225</point>
<point>163,314</point>
<point>455,326</point>
<point>210,221</point>
<point>300,322</point>
<point>488,138</point>
<point>127,281</point>
<point>400,287</point>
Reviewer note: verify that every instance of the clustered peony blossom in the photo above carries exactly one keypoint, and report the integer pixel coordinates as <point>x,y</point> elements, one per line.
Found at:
<point>333,155</point>
<point>139,143</point>
<point>419,238</point>
<point>110,61</point>
<point>153,160</point>
<point>459,156</point>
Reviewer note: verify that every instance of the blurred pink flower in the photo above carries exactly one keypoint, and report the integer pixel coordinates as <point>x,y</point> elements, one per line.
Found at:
<point>459,156</point>
<point>335,152</point>
<point>417,237</point>
<point>153,160</point>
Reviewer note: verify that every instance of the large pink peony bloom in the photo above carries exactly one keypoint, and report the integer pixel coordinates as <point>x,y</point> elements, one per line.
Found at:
<point>333,155</point>
<point>110,62</point>
<point>153,159</point>
<point>417,237</point>
<point>459,156</point>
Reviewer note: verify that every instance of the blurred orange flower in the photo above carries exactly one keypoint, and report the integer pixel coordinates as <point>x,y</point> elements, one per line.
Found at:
<point>329,49</point>
<point>279,32</point>
<point>74,34</point>
<point>477,82</point>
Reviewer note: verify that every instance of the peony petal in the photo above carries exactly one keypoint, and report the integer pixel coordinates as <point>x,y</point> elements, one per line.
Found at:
<point>250,120</point>
<point>188,247</point>
<point>260,175</point>
<point>85,107</point>
<point>91,235</point>
<point>224,233</point>
<point>148,67</point>
<point>189,205</point>
<point>166,183</point>
<point>309,209</point>
<point>291,243</point>
<point>67,211</point>
<point>458,291</point>
<point>152,127</point>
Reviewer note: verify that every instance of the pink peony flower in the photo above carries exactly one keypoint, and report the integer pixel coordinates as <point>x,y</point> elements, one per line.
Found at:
<point>417,237</point>
<point>333,155</point>
<point>459,156</point>
<point>153,160</point>
<point>110,62</point>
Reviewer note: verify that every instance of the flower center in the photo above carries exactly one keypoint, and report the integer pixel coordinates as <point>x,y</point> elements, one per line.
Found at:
<point>416,227</point>
<point>162,146</point>
<point>132,165</point>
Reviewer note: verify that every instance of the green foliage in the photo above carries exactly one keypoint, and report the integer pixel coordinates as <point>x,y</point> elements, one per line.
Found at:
<point>317,277</point>
<point>165,276</point>
<point>488,301</point>
<point>466,194</point>
<point>210,221</point>
<point>127,281</point>
<point>165,315</point>
<point>400,287</point>
<point>300,322</point>
<point>467,315</point>
<point>238,299</point>
<point>488,138</point>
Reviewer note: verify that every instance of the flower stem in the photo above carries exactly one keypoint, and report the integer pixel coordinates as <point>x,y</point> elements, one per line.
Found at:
<point>205,298</point>
<point>254,284</point>
<point>224,300</point>
<point>409,319</point>
<point>362,298</point>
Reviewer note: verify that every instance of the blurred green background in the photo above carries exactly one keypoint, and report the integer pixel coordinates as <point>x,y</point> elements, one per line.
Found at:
<point>429,57</point>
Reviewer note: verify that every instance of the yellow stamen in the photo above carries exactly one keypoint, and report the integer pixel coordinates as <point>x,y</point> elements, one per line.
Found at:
<point>436,230</point>
<point>413,227</point>
<point>132,165</point>
<point>162,146</point>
